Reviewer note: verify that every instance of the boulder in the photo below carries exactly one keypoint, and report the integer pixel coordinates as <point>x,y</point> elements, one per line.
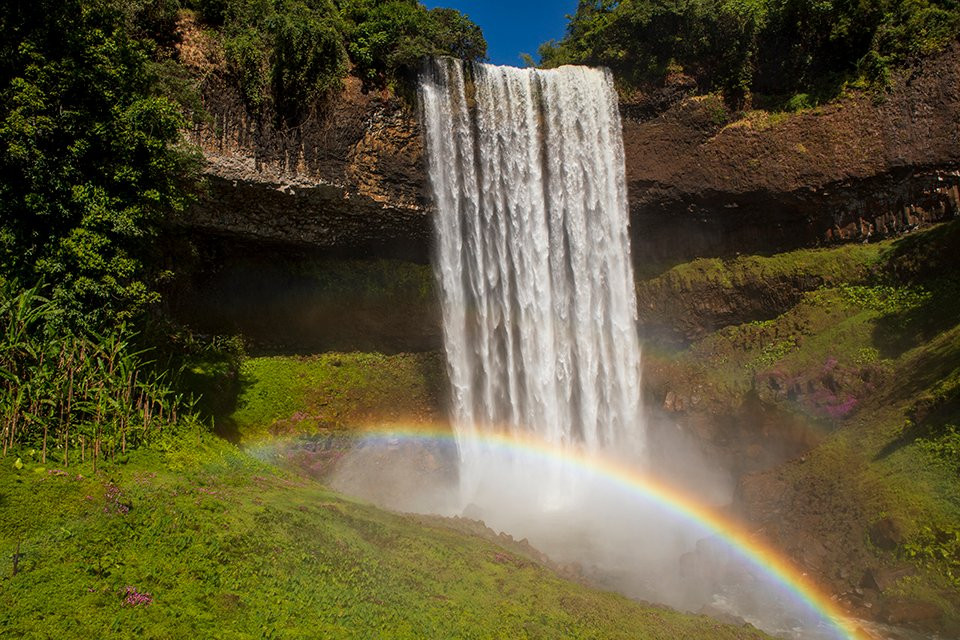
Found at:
<point>910,611</point>
<point>886,534</point>
<point>882,579</point>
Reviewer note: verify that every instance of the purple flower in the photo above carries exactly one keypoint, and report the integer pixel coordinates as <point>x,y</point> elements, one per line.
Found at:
<point>134,598</point>
<point>840,410</point>
<point>112,496</point>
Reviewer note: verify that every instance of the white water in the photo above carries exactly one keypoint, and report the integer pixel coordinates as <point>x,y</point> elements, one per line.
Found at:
<point>539,320</point>
<point>533,262</point>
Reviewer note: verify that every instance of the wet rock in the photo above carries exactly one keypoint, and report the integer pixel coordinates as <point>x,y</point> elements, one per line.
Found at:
<point>886,534</point>
<point>813,552</point>
<point>669,403</point>
<point>910,611</point>
<point>883,579</point>
<point>473,512</point>
<point>866,600</point>
<point>674,402</point>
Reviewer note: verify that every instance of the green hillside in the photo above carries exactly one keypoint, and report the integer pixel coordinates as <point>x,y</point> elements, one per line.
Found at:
<point>202,541</point>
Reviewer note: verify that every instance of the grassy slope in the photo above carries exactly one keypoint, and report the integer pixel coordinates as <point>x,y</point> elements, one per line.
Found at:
<point>690,300</point>
<point>876,361</point>
<point>822,265</point>
<point>302,394</point>
<point>231,548</point>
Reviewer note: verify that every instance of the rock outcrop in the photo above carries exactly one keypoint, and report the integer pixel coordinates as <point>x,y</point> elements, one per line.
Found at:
<point>864,167</point>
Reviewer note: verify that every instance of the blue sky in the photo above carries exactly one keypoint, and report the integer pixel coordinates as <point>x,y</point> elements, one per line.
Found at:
<point>512,27</point>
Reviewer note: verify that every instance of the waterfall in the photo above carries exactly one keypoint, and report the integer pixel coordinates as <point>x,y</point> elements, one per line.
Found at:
<point>533,257</point>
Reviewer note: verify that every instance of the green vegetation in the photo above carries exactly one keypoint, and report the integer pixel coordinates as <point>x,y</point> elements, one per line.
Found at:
<point>795,51</point>
<point>291,394</point>
<point>388,38</point>
<point>848,263</point>
<point>203,541</point>
<point>93,165</point>
<point>92,107</point>
<point>872,357</point>
<point>89,160</point>
<point>862,309</point>
<point>289,55</point>
<point>890,465</point>
<point>69,392</point>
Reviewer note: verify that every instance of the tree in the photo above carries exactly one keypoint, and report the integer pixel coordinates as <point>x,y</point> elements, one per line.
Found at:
<point>90,161</point>
<point>772,47</point>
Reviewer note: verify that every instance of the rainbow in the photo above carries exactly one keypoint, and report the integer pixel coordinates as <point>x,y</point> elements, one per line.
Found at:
<point>756,552</point>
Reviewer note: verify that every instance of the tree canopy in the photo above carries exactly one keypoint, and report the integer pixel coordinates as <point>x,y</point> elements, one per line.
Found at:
<point>764,46</point>
<point>292,52</point>
<point>88,157</point>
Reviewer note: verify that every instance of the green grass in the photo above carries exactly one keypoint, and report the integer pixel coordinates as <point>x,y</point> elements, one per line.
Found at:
<point>228,547</point>
<point>873,356</point>
<point>862,310</point>
<point>821,266</point>
<point>691,300</point>
<point>821,329</point>
<point>302,394</point>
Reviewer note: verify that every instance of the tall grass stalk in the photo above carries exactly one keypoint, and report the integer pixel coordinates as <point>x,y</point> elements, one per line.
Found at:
<point>95,392</point>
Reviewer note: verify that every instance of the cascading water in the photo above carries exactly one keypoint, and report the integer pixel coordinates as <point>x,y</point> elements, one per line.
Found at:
<point>533,258</point>
<point>539,318</point>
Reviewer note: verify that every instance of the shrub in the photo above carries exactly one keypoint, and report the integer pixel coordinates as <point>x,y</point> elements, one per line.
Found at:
<point>799,102</point>
<point>89,159</point>
<point>308,59</point>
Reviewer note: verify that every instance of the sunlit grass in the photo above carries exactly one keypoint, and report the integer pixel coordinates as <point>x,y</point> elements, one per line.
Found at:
<point>228,547</point>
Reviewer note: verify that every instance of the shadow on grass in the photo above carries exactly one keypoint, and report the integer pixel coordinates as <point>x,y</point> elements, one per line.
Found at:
<point>927,262</point>
<point>226,404</point>
<point>930,376</point>
<point>931,379</point>
<point>927,254</point>
<point>216,380</point>
<point>945,414</point>
<point>900,331</point>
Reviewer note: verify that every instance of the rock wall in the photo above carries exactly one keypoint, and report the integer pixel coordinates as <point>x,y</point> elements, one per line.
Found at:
<point>348,178</point>
<point>351,177</point>
<point>864,167</point>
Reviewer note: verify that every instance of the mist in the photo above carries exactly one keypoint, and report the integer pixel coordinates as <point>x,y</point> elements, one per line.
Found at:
<point>592,528</point>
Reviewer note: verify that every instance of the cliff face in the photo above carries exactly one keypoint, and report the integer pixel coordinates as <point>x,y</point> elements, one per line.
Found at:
<point>862,168</point>
<point>351,178</point>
